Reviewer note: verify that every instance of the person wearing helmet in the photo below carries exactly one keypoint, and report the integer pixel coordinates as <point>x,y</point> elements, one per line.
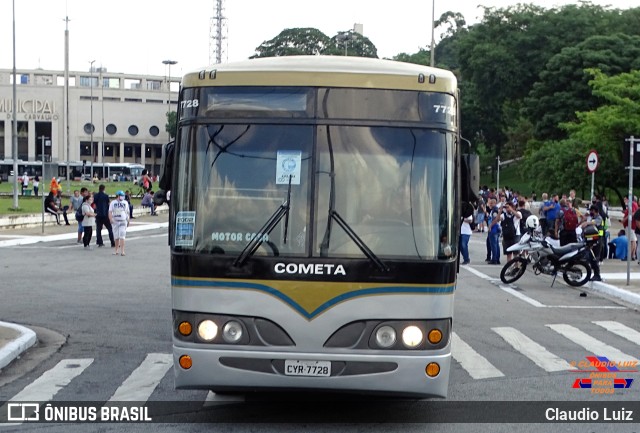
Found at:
<point>119,218</point>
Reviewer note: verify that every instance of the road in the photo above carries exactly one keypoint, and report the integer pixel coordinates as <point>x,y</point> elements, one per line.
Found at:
<point>511,343</point>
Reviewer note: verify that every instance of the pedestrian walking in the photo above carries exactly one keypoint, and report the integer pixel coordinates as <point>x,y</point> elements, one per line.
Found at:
<point>119,218</point>
<point>76,207</point>
<point>88,220</point>
<point>102,202</point>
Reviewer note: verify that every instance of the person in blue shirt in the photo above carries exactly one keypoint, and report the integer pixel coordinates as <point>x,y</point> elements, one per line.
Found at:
<point>551,211</point>
<point>621,244</point>
<point>494,232</point>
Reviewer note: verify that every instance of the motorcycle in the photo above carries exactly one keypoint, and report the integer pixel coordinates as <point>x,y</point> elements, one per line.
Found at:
<point>545,258</point>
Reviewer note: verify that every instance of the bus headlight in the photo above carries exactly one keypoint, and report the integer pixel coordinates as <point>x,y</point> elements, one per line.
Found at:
<point>232,332</point>
<point>385,336</point>
<point>412,336</point>
<point>207,330</point>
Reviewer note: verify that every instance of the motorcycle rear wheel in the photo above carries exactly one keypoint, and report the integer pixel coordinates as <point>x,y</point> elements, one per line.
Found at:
<point>577,273</point>
<point>513,270</point>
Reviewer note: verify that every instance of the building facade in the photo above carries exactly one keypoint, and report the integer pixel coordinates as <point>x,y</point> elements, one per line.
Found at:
<point>113,117</point>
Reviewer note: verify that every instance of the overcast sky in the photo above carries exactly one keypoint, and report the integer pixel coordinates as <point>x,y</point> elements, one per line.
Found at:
<point>135,36</point>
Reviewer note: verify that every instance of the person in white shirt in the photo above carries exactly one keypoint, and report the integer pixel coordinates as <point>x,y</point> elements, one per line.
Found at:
<point>25,182</point>
<point>119,218</point>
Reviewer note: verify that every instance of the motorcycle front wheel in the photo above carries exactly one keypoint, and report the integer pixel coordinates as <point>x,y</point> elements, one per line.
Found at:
<point>513,270</point>
<point>577,273</point>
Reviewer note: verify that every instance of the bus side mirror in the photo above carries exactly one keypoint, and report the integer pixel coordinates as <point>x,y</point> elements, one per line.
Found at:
<point>166,172</point>
<point>159,197</point>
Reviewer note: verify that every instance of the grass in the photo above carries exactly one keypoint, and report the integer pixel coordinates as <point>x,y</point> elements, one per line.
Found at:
<point>33,205</point>
<point>510,176</point>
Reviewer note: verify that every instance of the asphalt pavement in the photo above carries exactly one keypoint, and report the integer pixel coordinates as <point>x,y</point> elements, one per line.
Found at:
<point>29,229</point>
<point>621,280</point>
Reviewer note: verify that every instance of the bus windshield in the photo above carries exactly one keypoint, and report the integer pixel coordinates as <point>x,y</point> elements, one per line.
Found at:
<point>391,186</point>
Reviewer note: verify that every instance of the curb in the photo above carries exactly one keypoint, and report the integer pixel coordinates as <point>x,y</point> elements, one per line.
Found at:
<point>615,293</point>
<point>15,348</point>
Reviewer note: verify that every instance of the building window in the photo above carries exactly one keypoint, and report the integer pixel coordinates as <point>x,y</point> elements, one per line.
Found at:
<point>138,150</point>
<point>158,152</point>
<point>109,148</point>
<point>133,130</point>
<point>85,148</point>
<point>128,150</point>
<point>89,128</point>
<point>131,83</point>
<point>154,85</point>
<point>154,131</point>
<point>111,129</point>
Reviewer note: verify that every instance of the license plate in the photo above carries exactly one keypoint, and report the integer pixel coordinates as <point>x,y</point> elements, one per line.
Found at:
<point>296,367</point>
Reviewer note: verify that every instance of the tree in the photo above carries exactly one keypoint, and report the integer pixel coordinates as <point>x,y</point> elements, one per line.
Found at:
<point>563,88</point>
<point>352,44</point>
<point>562,163</point>
<point>502,57</point>
<point>171,127</point>
<point>605,128</point>
<point>294,42</point>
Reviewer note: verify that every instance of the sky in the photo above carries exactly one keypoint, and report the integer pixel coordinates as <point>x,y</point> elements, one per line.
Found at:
<point>135,36</point>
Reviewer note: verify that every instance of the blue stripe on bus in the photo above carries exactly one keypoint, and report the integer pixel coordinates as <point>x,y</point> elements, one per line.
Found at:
<point>330,303</point>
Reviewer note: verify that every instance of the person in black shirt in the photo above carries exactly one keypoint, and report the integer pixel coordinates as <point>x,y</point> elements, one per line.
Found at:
<point>51,208</point>
<point>101,201</point>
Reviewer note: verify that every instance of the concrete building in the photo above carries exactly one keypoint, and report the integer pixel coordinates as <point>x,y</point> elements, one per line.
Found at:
<point>126,114</point>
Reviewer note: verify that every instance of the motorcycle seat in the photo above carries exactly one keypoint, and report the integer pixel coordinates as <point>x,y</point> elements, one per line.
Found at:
<point>566,248</point>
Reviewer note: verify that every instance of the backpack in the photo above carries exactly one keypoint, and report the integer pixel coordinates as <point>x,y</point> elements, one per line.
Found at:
<point>508,227</point>
<point>523,221</point>
<point>79,215</point>
<point>570,220</point>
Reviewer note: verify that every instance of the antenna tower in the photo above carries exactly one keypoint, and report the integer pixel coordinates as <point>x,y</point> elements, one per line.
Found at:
<point>217,34</point>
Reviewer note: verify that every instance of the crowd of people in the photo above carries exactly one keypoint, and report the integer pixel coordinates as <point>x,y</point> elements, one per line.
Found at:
<point>98,210</point>
<point>502,214</point>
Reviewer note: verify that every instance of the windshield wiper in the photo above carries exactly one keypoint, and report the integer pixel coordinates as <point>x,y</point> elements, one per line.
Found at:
<point>334,215</point>
<point>359,242</point>
<point>267,228</point>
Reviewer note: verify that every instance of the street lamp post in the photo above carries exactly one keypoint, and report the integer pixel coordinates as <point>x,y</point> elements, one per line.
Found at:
<point>91,121</point>
<point>168,80</point>
<point>433,33</point>
<point>346,37</point>
<point>43,139</point>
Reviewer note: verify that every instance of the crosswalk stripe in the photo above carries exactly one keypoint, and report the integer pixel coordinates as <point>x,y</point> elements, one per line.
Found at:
<point>143,380</point>
<point>591,344</point>
<point>622,330</point>
<point>47,386</point>
<point>532,350</point>
<point>475,364</point>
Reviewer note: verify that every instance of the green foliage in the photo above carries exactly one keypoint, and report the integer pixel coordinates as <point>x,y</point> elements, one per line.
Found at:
<point>422,57</point>
<point>294,42</point>
<point>171,127</point>
<point>310,41</point>
<point>352,44</point>
<point>563,87</point>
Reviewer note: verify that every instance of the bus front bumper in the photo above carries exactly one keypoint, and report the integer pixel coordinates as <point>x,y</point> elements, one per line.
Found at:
<point>240,370</point>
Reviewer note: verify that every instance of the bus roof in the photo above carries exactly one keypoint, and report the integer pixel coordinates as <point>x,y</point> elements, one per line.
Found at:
<point>324,71</point>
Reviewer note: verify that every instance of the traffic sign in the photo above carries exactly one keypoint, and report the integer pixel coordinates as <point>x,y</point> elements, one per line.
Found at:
<point>592,161</point>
